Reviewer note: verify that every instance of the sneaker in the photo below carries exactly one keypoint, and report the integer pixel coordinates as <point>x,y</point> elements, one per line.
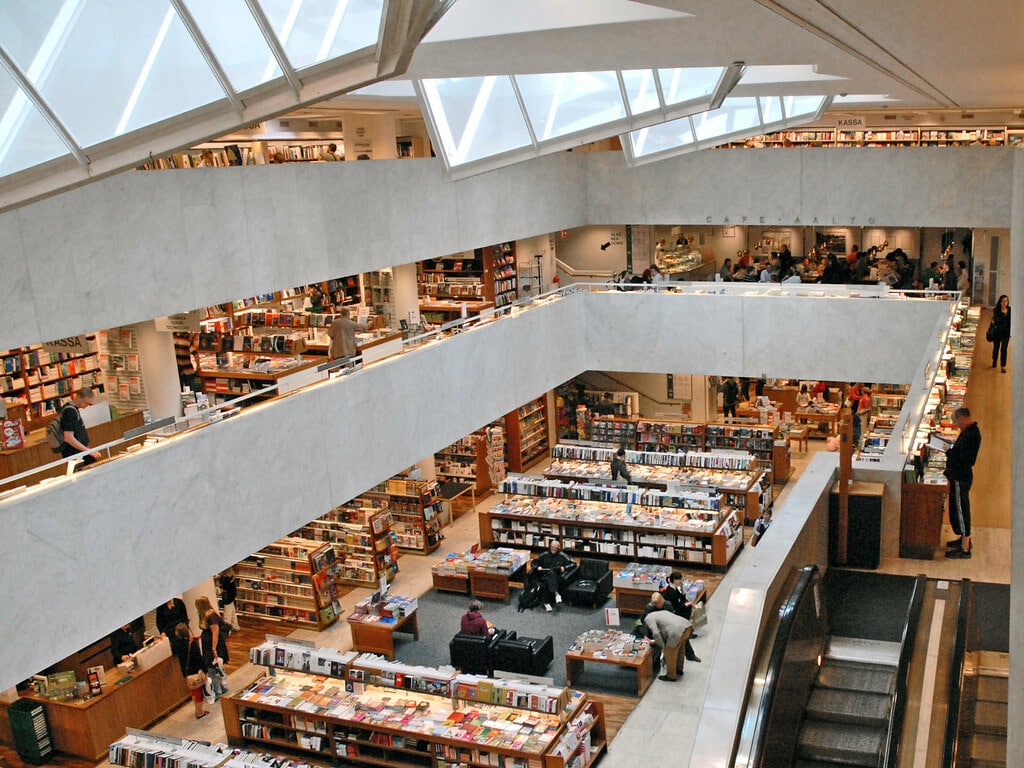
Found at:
<point>953,542</point>
<point>959,554</point>
<point>548,608</point>
<point>558,598</point>
<point>667,679</point>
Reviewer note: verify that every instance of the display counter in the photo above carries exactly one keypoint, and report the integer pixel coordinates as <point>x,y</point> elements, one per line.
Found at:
<point>86,727</point>
<point>921,513</point>
<point>37,451</point>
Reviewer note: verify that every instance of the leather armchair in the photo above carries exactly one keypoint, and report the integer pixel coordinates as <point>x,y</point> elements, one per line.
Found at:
<point>474,654</point>
<point>525,655</point>
<point>592,585</point>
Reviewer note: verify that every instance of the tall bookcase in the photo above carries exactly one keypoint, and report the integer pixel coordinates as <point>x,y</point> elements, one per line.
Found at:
<point>365,546</point>
<point>500,266</point>
<point>752,438</point>
<point>380,294</point>
<point>669,436</point>
<point>41,381</point>
<point>291,580</point>
<point>527,434</point>
<point>415,512</point>
<point>477,459</point>
<point>614,430</point>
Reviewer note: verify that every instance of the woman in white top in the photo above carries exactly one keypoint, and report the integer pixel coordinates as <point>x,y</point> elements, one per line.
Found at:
<point>803,399</point>
<point>963,277</point>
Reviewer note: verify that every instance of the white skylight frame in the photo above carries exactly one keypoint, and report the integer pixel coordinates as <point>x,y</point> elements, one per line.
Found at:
<point>696,127</point>
<point>459,111</point>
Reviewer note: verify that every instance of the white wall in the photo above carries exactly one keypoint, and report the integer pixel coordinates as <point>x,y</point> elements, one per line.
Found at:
<point>118,539</point>
<point>147,244</point>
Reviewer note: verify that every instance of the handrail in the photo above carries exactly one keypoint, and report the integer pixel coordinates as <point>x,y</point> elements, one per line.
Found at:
<point>468,323</point>
<point>951,739</point>
<point>899,697</point>
<point>809,574</point>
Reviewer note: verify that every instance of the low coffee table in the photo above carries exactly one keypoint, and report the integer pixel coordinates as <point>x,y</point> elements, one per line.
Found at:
<point>609,650</point>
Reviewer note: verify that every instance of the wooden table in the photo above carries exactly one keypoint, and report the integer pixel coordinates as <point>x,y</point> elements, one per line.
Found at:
<point>378,636</point>
<point>810,417</point>
<point>631,602</point>
<point>643,664</point>
<point>494,584</point>
<point>799,435</point>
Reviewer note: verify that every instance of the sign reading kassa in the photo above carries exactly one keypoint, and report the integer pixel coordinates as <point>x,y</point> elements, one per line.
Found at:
<point>72,345</point>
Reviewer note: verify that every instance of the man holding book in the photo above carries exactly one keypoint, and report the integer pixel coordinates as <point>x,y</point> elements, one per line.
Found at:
<point>959,472</point>
<point>342,334</point>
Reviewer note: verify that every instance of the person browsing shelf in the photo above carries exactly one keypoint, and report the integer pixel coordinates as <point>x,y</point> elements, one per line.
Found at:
<point>619,468</point>
<point>1001,331</point>
<point>342,334</point>
<point>959,471</point>
<point>473,621</point>
<point>668,632</point>
<point>675,597</point>
<point>331,155</point>
<point>76,436</point>
<point>552,568</point>
<point>606,407</point>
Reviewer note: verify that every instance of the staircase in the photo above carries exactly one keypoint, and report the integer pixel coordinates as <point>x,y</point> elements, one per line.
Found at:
<point>847,716</point>
<point>988,745</point>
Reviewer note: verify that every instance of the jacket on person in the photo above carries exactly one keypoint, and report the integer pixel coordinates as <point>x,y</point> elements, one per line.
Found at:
<point>665,628</point>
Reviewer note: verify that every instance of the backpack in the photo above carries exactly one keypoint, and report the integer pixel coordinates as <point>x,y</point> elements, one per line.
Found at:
<point>531,595</point>
<point>54,434</point>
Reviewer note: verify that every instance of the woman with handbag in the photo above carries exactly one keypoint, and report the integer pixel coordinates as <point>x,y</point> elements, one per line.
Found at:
<point>214,644</point>
<point>675,596</point>
<point>192,667</point>
<point>999,331</point>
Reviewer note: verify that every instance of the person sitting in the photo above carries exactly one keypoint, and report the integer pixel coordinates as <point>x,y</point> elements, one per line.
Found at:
<point>473,621</point>
<point>619,468</point>
<point>551,568</point>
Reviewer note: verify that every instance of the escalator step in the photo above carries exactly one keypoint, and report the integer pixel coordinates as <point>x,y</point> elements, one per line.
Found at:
<point>862,651</point>
<point>857,677</point>
<point>989,747</point>
<point>798,763</point>
<point>840,743</point>
<point>975,763</point>
<point>858,707</point>
<point>992,688</point>
<point>990,717</point>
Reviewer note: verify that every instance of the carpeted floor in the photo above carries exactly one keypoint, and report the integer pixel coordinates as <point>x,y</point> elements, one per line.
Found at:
<point>440,612</point>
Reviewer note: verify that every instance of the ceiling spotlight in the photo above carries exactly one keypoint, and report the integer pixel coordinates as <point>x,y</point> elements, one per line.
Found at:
<point>606,246</point>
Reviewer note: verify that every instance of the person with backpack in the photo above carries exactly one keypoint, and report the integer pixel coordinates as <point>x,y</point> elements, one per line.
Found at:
<point>74,435</point>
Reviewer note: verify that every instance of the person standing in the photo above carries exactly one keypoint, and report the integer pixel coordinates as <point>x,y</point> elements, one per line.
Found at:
<point>193,668</point>
<point>169,615</point>
<point>619,468</point>
<point>342,333</point>
<point>675,597</point>
<point>669,632</point>
<point>122,643</point>
<point>76,436</point>
<point>228,594</point>
<point>331,154</point>
<point>213,642</point>
<point>959,472</point>
<point>1001,331</point>
<point>730,397</point>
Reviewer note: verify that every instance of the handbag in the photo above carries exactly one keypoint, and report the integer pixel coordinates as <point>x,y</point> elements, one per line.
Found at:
<point>990,334</point>
<point>197,680</point>
<point>699,616</point>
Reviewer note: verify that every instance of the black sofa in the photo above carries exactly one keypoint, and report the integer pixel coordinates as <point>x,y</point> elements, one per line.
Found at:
<point>591,585</point>
<point>474,654</point>
<point>524,655</point>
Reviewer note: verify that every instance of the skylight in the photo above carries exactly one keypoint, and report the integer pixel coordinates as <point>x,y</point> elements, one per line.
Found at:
<point>481,123</point>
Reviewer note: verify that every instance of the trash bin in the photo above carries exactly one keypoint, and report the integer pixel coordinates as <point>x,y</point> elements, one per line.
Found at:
<point>31,731</point>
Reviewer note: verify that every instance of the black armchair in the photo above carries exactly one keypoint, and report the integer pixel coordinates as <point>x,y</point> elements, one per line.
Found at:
<point>474,654</point>
<point>592,585</point>
<point>525,655</point>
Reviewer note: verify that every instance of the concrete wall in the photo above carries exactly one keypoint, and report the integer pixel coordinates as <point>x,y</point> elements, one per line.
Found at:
<point>147,244</point>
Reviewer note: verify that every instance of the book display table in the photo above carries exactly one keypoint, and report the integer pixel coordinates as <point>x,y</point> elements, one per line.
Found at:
<point>482,574</point>
<point>830,417</point>
<point>634,585</point>
<point>374,624</point>
<point>611,647</point>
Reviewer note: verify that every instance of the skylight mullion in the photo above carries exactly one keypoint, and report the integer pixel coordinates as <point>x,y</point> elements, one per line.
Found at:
<point>522,108</point>
<point>622,93</point>
<point>657,88</point>
<point>276,46</point>
<point>332,29</point>
<point>211,58</point>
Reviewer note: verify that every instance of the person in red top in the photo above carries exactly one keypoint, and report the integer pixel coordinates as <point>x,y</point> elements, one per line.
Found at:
<point>474,623</point>
<point>852,256</point>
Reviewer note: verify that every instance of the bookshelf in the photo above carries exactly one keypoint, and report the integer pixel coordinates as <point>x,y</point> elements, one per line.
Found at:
<point>40,381</point>
<point>415,512</point>
<point>291,580</point>
<point>908,136</point>
<point>669,436</point>
<point>756,439</point>
<point>527,434</point>
<point>500,273</point>
<point>614,430</point>
<point>443,721</point>
<point>380,294</point>
<point>365,546</point>
<point>477,459</point>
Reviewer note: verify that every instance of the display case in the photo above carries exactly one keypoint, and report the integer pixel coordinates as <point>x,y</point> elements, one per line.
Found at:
<point>619,431</point>
<point>291,580</point>
<point>365,546</point>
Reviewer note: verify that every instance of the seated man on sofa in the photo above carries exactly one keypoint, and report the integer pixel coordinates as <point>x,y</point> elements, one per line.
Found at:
<point>554,569</point>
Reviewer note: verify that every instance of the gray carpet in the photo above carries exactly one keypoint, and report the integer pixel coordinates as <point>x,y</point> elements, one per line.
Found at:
<point>440,612</point>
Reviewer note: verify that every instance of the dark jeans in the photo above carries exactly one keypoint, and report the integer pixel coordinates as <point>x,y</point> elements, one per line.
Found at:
<point>999,347</point>
<point>729,410</point>
<point>960,507</point>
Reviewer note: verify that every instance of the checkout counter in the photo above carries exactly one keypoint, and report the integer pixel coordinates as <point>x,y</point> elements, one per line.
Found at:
<point>84,724</point>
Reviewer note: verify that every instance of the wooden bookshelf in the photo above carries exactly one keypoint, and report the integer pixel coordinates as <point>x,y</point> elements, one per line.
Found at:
<point>40,382</point>
<point>415,512</point>
<point>666,435</point>
<point>477,459</point>
<point>291,580</point>
<point>757,439</point>
<point>500,279</point>
<point>526,430</point>
<point>365,546</point>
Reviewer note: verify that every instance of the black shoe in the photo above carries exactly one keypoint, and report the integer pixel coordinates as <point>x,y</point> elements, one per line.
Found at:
<point>959,554</point>
<point>694,659</point>
<point>953,542</point>
<point>667,679</point>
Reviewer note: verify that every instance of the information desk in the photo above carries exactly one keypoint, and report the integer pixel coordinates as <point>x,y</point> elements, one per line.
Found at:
<point>605,653</point>
<point>86,727</point>
<point>378,636</point>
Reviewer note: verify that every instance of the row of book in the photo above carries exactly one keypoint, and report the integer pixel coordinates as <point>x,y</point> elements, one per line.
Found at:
<point>590,513</point>
<point>533,485</point>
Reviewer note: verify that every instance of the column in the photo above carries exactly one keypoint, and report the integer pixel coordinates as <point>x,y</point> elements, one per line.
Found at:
<point>405,291</point>
<point>159,370</point>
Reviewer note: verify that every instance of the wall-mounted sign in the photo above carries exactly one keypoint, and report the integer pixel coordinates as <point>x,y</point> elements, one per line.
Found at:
<point>74,345</point>
<point>856,123</point>
<point>184,322</point>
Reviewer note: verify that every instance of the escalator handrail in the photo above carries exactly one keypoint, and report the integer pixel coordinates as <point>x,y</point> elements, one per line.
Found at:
<point>956,672</point>
<point>787,611</point>
<point>899,704</point>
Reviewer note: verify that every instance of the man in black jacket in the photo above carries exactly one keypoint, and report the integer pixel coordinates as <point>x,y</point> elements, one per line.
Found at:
<point>553,568</point>
<point>959,471</point>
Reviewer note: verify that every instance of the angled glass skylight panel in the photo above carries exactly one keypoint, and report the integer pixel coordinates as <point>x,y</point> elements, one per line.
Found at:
<point>802,106</point>
<point>236,41</point>
<point>93,66</point>
<point>26,139</point>
<point>685,84</point>
<point>312,31</point>
<point>736,115</point>
<point>662,137</point>
<point>570,102</point>
<point>641,90</point>
<point>476,117</point>
<point>771,109</point>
